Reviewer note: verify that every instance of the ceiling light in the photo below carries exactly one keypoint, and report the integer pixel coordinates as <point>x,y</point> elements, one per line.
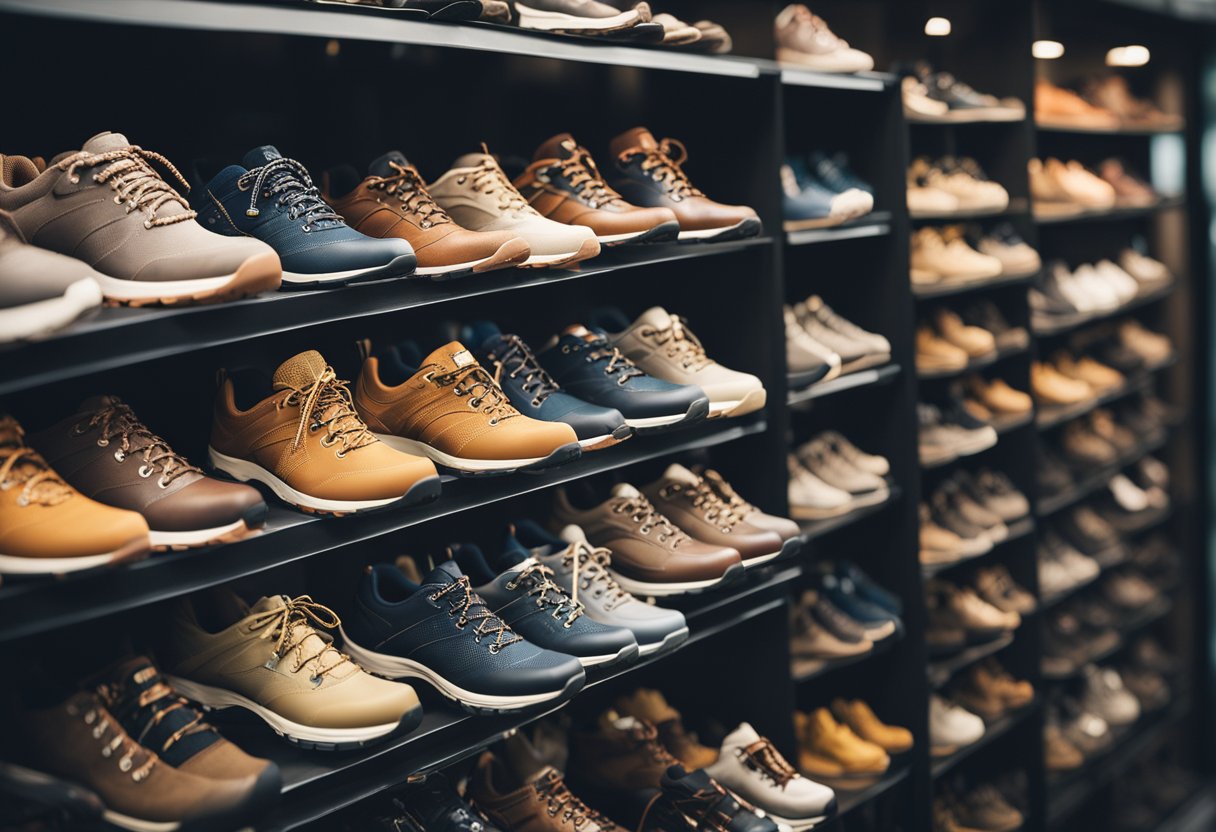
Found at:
<point>937,27</point>
<point>1134,55</point>
<point>1047,50</point>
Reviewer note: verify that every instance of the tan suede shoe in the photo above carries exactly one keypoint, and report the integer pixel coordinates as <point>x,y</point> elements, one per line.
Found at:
<point>998,397</point>
<point>861,718</point>
<point>976,341</point>
<point>649,705</point>
<point>1050,387</point>
<point>831,751</point>
<point>935,354</point>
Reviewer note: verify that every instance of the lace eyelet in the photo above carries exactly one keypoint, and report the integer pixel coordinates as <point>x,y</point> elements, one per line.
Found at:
<point>148,224</point>
<point>493,421</point>
<point>125,764</point>
<point>340,454</point>
<point>138,776</point>
<point>118,200</point>
<point>102,442</point>
<point>162,483</point>
<point>145,471</point>
<point>495,649</point>
<point>75,180</point>
<point>328,441</point>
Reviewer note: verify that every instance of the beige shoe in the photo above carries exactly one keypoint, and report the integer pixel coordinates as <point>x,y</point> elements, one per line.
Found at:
<point>1097,375</point>
<point>935,354</point>
<point>273,660</point>
<point>976,341</point>
<point>1050,387</point>
<point>939,545</point>
<point>998,398</point>
<point>1153,347</point>
<point>1049,197</point>
<point>936,259</point>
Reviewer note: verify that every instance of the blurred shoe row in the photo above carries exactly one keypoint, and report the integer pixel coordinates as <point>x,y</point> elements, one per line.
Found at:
<point>847,746</point>
<point>949,431</point>
<point>990,691</point>
<point>844,615</point>
<point>985,808</point>
<point>967,515</point>
<point>1103,103</point>
<point>965,255</point>
<point>1076,546</point>
<point>804,40</point>
<point>1061,296</point>
<point>830,477</point>
<point>934,96</point>
<point>820,191</point>
<point>1060,189</point>
<point>961,616</point>
<point>952,185</point>
<point>1153,790</point>
<point>821,344</point>
<point>946,342</point>
<point>1087,627</point>
<point>1068,379</point>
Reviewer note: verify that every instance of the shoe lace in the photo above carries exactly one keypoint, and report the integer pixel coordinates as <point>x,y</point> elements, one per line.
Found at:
<point>156,703</point>
<point>470,609</point>
<point>763,758</point>
<point>294,188</point>
<point>642,512</point>
<point>663,164</point>
<point>293,625</point>
<point>592,562</point>
<point>517,359</point>
<point>560,800</point>
<point>408,187</point>
<point>327,403</point>
<point>646,736</point>
<point>481,388</point>
<point>134,180</point>
<point>537,579</point>
<point>681,344</point>
<point>489,179</point>
<point>601,350</point>
<point>22,465</point>
<point>739,506</point>
<point>704,499</point>
<point>118,422</point>
<point>579,170</point>
<point>134,758</point>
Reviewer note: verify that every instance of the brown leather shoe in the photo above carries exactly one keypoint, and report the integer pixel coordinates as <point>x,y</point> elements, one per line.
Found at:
<point>533,802</point>
<point>649,172</point>
<point>651,556</point>
<point>622,755</point>
<point>306,443</point>
<point>650,706</point>
<point>448,408</point>
<point>108,454</point>
<point>47,527</point>
<point>564,185</point>
<point>392,201</point>
<point>785,527</point>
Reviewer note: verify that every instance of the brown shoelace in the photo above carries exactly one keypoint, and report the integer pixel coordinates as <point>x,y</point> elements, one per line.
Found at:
<point>473,381</point>
<point>293,625</point>
<point>681,343</point>
<point>327,403</point>
<point>471,609</point>
<point>134,180</point>
<point>762,757</point>
<point>590,565</point>
<point>580,171</point>
<point>407,185</point>
<point>538,579</point>
<point>517,359</point>
<point>642,512</point>
<point>163,701</point>
<point>561,801</point>
<point>704,499</point>
<point>22,465</point>
<point>663,164</point>
<point>134,758</point>
<point>490,180</point>
<point>119,423</point>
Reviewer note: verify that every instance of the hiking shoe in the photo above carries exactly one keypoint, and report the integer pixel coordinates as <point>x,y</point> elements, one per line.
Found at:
<point>804,40</point>
<point>152,250</point>
<point>40,291</point>
<point>651,706</point>
<point>401,629</point>
<point>695,801</point>
<point>618,757</point>
<point>650,172</point>
<point>307,444</point>
<point>47,527</point>
<point>663,346</point>
<point>859,716</point>
<point>537,800</point>
<point>577,17</point>
<point>787,529</point>
<point>393,201</point>
<point>99,446</point>
<point>446,407</point>
<point>477,194</point>
<point>830,751</point>
<point>564,185</point>
<point>274,660</point>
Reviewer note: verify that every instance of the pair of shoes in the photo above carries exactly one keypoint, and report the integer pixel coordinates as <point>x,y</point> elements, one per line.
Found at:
<point>944,435</point>
<point>945,343</point>
<point>1105,695</point>
<point>1065,188</point>
<point>821,191</point>
<point>1076,634</point>
<point>847,746</point>
<point>994,401</point>
<point>1062,567</point>
<point>1131,191</point>
<point>967,515</point>
<point>817,337</point>
<point>988,689</point>
<point>804,40</point>
<point>830,476</point>
<point>943,256</point>
<point>1055,106</point>
<point>822,630</point>
<point>982,808</point>
<point>1068,380</point>
<point>1005,244</point>
<point>941,97</point>
<point>952,185</point>
<point>951,727</point>
<point>958,616</point>
<point>1113,93</point>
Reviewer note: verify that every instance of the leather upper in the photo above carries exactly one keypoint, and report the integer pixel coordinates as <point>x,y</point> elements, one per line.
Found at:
<point>686,500</point>
<point>32,274</point>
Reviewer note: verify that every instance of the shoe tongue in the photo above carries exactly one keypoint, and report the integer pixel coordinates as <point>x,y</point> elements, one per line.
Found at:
<point>638,137</point>
<point>472,160</point>
<point>259,156</point>
<point>573,534</point>
<point>546,774</point>
<point>450,358</point>
<point>270,602</point>
<point>382,166</point>
<point>655,316</point>
<point>561,146</point>
<point>744,735</point>
<point>580,331</point>
<point>106,141</point>
<point>137,672</point>
<point>678,473</point>
<point>443,574</point>
<point>626,490</point>
<point>94,403</point>
<point>299,371</point>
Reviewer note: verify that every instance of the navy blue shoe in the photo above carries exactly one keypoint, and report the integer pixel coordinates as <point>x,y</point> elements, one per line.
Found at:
<point>808,202</point>
<point>522,592</point>
<point>442,632</point>
<point>586,365</point>
<point>869,590</point>
<point>274,200</point>
<point>877,622</point>
<point>534,393</point>
<point>834,172</point>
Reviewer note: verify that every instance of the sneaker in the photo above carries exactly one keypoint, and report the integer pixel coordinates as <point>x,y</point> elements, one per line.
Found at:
<point>918,106</point>
<point>1051,388</point>
<point>393,201</point>
<point>153,249</point>
<point>865,723</point>
<point>810,498</point>
<point>966,104</point>
<point>751,767</point>
<point>539,800</point>
<point>939,545</point>
<point>951,727</point>
<point>690,801</point>
<point>831,752</point>
<point>576,17</point>
<point>273,199</point>
<point>183,507</point>
<point>586,364</point>
<point>448,408</point>
<point>1005,244</point>
<point>564,185</point>
<point>939,259</point>
<point>808,202</point>
<point>876,621</point>
<point>273,659</point>
<point>662,345</point>
<point>999,495</point>
<point>1147,271</point>
<point>785,528</point>
<point>521,592</point>
<point>650,172</point>
<point>944,513</point>
<point>986,808</point>
<point>864,488</point>
<point>997,587</point>
<point>619,756</point>
<point>806,360</point>
<point>820,631</point>
<point>651,706</point>
<point>534,393</point>
<point>668,562</point>
<point>963,179</point>
<point>1105,696</point>
<point>478,195</point>
<point>1056,106</point>
<point>934,354</point>
<point>858,348</point>
<point>320,456</point>
<point>40,291</point>
<point>404,630</point>
<point>584,572</point>
<point>48,527</point>
<point>804,40</point>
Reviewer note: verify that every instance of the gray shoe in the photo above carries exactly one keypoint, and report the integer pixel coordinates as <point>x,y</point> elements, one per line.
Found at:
<point>857,348</point>
<point>40,291</point>
<point>821,460</point>
<point>806,360</point>
<point>107,206</point>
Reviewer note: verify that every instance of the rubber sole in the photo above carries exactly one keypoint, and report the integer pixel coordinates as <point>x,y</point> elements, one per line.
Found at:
<point>402,266</point>
<point>670,642</point>
<point>697,411</point>
<point>607,440</point>
<point>260,273</point>
<point>133,550</point>
<point>35,320</point>
<point>801,824</point>
<point>664,232</point>
<point>647,589</point>
<point>530,18</point>
<point>749,227</point>
<point>814,513</point>
<point>626,655</point>
<point>511,253</point>
<point>253,520</point>
<point>465,467</point>
<point>455,10</point>
<point>590,248</point>
<point>750,403</point>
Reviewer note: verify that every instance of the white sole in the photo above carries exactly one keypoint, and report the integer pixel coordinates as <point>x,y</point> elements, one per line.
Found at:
<point>592,661</point>
<point>820,63</point>
<point>395,667</point>
<point>218,698</point>
<point>14,565</point>
<point>530,18</point>
<point>245,471</point>
<point>43,317</point>
<point>797,824</point>
<point>650,649</point>
<point>137,825</point>
<point>710,232</point>
<point>197,537</point>
<point>619,238</point>
<point>595,440</point>
<point>451,267</point>
<point>116,289</point>
<point>412,446</point>
<point>748,563</point>
<point>750,403</point>
<point>813,513</point>
<point>655,421</point>
<point>327,277</point>
<point>645,589</point>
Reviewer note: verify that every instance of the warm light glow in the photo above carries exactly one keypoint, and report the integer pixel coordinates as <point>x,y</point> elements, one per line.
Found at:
<point>937,27</point>
<point>332,48</point>
<point>1047,50</point>
<point>1134,55</point>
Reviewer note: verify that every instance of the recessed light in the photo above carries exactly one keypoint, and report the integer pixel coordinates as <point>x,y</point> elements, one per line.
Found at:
<point>937,27</point>
<point>1047,50</point>
<point>1134,55</point>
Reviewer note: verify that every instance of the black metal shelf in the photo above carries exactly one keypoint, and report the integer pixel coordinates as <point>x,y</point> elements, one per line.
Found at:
<point>993,732</point>
<point>1097,480</point>
<point>116,337</point>
<point>1112,214</point>
<point>940,671</point>
<point>35,606</point>
<point>1072,324</point>
<point>850,381</point>
<point>954,121</point>
<point>812,529</point>
<point>1017,207</point>
<point>1108,131</point>
<point>1018,530</point>
<point>934,291</point>
<point>876,224</point>
<point>974,364</point>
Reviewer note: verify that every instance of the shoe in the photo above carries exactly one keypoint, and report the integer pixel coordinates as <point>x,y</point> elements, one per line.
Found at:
<point>654,628</point>
<point>806,360</point>
<point>1052,388</point>
<point>1084,449</point>
<point>617,758</point>
<point>1130,190</point>
<point>829,750</point>
<point>810,498</point>
<point>183,507</point>
<point>1059,188</point>
<point>40,291</point>
<point>964,180</point>
<point>696,509</point>
<point>403,630</point>
<point>862,720</point>
<point>271,659</point>
<point>785,528</point>
<point>690,801</point>
<point>809,202</point>
<point>651,707</point>
<point>428,9</point>
<point>945,436</point>
<point>535,800</point>
<point>820,631</point>
<point>434,805</point>
<point>976,341</point>
<point>649,172</point>
<point>663,346</point>
<point>1016,255</point>
<point>447,407</point>
<point>478,195</point>
<point>586,365</point>
<point>1113,93</point>
<point>999,398</point>
<point>936,259</point>
<point>576,17</point>
<point>751,767</point>
<point>48,527</point>
<point>1106,696</point>
<point>864,488</point>
<point>80,743</point>
<point>858,348</point>
<point>804,40</point>
<point>714,38</point>
<point>868,589</point>
<point>273,199</point>
<point>1152,347</point>
<point>964,103</point>
<point>951,727</point>
<point>935,354</point>
<point>1060,754</point>
<point>1059,107</point>
<point>153,250</point>
<point>999,495</point>
<point>839,444</point>
<point>981,620</point>
<point>535,394</point>
<point>393,201</point>
<point>877,622</point>
<point>939,545</point>
<point>944,634</point>
<point>1146,270</point>
<point>645,564</point>
<point>564,185</point>
<point>986,808</point>
<point>286,441</point>
<point>996,586</point>
<point>1087,731</point>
